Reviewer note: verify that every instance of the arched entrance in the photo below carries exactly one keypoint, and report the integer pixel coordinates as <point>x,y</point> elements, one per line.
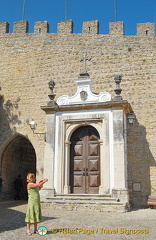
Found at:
<point>18,158</point>
<point>85,161</point>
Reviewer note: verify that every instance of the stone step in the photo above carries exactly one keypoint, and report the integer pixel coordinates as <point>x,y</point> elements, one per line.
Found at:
<point>84,199</point>
<point>84,195</point>
<point>91,201</point>
<point>95,203</point>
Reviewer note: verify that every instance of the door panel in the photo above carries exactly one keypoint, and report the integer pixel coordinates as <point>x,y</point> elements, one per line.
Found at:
<point>85,161</point>
<point>76,167</point>
<point>93,149</point>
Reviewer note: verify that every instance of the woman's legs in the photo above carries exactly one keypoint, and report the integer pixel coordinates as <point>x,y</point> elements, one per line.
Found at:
<point>28,228</point>
<point>35,227</point>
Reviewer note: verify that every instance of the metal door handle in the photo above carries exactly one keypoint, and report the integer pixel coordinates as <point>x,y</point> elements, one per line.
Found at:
<point>85,174</point>
<point>85,169</point>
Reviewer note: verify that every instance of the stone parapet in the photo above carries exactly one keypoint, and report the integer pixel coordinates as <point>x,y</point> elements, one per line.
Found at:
<point>88,27</point>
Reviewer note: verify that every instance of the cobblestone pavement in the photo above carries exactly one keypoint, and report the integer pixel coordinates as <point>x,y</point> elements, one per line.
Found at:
<point>81,224</point>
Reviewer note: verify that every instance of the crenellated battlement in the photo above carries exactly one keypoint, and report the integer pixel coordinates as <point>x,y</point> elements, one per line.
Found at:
<point>33,59</point>
<point>88,27</point>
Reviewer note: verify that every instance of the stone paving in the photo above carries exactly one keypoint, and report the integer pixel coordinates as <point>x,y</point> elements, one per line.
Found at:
<point>64,223</point>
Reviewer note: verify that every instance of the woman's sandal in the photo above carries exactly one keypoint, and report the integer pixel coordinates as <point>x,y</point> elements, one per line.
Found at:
<point>29,233</point>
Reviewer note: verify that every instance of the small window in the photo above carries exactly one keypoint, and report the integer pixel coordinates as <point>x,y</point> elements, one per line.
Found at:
<point>147,32</point>
<point>89,30</point>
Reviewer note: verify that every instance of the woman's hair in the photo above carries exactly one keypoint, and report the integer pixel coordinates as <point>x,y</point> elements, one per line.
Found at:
<point>30,176</point>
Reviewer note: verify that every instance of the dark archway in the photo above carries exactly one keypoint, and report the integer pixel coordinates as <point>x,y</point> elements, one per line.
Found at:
<point>85,161</point>
<point>18,158</point>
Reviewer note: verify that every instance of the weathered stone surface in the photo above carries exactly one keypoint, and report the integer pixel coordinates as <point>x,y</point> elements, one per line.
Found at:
<point>29,61</point>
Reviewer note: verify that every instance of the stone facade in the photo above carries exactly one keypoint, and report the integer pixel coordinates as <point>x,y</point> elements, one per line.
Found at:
<point>30,60</point>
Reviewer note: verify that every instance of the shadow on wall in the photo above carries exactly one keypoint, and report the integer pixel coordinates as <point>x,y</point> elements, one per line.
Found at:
<point>17,155</point>
<point>8,118</point>
<point>12,118</point>
<point>141,163</point>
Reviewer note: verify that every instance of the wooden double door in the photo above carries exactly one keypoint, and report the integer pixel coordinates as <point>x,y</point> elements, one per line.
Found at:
<point>85,161</point>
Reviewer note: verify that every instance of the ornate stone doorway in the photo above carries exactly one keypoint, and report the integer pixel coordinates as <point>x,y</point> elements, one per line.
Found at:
<point>18,158</point>
<point>85,161</point>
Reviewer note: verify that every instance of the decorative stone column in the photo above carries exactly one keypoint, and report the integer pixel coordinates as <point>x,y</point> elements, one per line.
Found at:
<point>120,167</point>
<point>49,156</point>
<point>48,190</point>
<point>101,187</point>
<point>67,167</point>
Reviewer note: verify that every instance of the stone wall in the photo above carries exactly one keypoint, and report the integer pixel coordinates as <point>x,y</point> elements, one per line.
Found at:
<point>28,61</point>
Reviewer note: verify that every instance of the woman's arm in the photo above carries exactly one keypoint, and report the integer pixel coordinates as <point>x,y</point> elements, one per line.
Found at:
<point>35,185</point>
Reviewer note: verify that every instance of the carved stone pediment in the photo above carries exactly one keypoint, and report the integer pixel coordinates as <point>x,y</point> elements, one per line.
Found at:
<point>84,94</point>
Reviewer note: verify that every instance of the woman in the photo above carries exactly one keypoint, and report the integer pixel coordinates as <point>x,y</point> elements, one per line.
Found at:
<point>33,214</point>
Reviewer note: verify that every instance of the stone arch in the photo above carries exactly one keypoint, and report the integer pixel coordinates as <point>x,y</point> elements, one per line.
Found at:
<point>72,128</point>
<point>18,158</point>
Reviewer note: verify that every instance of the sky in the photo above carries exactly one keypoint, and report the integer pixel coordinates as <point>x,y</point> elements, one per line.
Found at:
<point>130,12</point>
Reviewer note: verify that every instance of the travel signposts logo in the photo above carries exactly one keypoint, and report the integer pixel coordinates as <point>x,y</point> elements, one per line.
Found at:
<point>42,231</point>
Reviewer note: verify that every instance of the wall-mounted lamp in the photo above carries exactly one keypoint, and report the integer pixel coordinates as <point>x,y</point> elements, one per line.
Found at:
<point>33,126</point>
<point>131,117</point>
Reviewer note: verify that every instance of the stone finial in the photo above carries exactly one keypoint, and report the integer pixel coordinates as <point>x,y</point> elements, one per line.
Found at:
<point>51,94</point>
<point>118,90</point>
